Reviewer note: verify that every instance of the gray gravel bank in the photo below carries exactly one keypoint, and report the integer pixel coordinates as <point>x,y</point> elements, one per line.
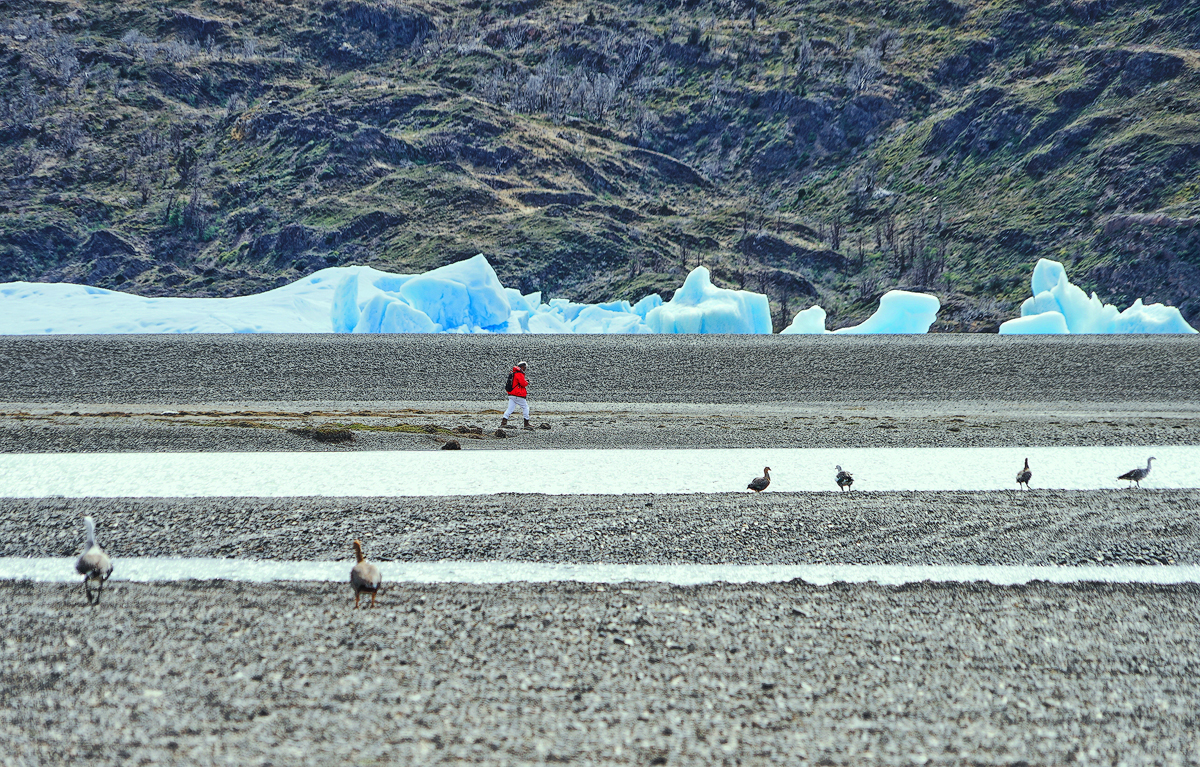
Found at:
<point>698,369</point>
<point>428,426</point>
<point>227,673</point>
<point>985,528</point>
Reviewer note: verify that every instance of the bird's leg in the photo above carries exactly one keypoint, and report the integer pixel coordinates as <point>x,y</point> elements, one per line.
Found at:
<point>99,591</point>
<point>357,595</point>
<point>87,590</point>
<point>372,599</point>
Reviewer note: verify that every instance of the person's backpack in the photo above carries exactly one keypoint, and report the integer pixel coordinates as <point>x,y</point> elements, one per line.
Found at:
<point>508,385</point>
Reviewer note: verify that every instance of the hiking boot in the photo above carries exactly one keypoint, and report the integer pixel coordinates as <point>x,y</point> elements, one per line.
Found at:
<point>528,425</point>
<point>503,422</point>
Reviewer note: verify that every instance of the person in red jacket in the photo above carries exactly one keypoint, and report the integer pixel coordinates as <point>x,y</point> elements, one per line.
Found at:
<point>516,395</point>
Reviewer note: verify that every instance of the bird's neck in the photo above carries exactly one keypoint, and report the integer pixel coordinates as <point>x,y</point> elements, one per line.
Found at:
<point>91,535</point>
<point>358,555</point>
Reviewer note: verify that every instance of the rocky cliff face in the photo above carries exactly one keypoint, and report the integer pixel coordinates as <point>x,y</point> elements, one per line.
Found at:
<point>824,153</point>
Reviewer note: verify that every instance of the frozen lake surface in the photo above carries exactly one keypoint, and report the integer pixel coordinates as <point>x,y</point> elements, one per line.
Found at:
<point>559,472</point>
<point>147,569</point>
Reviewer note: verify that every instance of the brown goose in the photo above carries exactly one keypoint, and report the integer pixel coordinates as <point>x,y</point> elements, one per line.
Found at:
<point>844,478</point>
<point>93,564</point>
<point>1024,475</point>
<point>758,484</point>
<point>1137,475</point>
<point>364,576</point>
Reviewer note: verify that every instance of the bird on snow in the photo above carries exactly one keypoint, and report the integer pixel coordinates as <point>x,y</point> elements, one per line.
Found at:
<point>1137,475</point>
<point>364,576</point>
<point>93,564</point>
<point>844,478</point>
<point>1024,475</point>
<point>758,484</point>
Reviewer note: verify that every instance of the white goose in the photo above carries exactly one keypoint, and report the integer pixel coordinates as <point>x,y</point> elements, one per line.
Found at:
<point>93,564</point>
<point>364,576</point>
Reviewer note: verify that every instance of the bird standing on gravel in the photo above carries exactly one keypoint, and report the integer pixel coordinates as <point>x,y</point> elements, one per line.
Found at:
<point>758,484</point>
<point>1024,475</point>
<point>1137,475</point>
<point>364,576</point>
<point>93,564</point>
<point>844,478</point>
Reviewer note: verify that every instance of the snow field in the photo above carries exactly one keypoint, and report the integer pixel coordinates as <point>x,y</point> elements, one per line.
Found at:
<point>572,472</point>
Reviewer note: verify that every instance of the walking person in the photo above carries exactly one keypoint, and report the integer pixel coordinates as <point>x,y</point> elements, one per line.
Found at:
<point>517,391</point>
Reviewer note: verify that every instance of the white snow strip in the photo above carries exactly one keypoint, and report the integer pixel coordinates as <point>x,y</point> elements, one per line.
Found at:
<point>559,472</point>
<point>150,569</point>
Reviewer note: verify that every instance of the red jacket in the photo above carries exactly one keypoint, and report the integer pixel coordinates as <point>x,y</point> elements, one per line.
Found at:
<point>518,387</point>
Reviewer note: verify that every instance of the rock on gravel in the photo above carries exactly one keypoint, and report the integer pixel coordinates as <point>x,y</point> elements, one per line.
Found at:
<point>1038,527</point>
<point>229,673</point>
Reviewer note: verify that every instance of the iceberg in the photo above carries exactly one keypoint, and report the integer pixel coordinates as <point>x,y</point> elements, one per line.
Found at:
<point>900,311</point>
<point>1058,306</point>
<point>701,307</point>
<point>807,321</point>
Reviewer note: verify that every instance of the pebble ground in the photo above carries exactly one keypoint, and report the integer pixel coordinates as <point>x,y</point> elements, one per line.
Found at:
<point>242,674</point>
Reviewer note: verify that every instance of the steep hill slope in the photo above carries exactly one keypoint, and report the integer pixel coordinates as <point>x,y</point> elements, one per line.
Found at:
<point>822,151</point>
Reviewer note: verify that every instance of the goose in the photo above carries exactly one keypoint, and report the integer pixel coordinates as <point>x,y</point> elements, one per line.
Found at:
<point>1024,475</point>
<point>758,484</point>
<point>364,576</point>
<point>93,564</point>
<point>1137,475</point>
<point>844,478</point>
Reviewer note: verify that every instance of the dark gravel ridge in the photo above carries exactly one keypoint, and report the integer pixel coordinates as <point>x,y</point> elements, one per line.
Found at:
<point>229,673</point>
<point>697,369</point>
<point>1019,528</point>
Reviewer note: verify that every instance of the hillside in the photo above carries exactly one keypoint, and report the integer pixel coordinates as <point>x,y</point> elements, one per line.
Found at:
<point>819,151</point>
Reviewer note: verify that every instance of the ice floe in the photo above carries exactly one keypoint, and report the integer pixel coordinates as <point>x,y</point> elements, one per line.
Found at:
<point>900,311</point>
<point>1059,307</point>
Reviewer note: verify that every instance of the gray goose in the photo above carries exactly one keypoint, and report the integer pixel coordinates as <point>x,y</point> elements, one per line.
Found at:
<point>93,564</point>
<point>364,576</point>
<point>758,484</point>
<point>1024,475</point>
<point>1137,475</point>
<point>844,478</point>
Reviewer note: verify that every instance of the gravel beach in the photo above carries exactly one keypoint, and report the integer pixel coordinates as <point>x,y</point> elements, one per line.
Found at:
<point>214,672</point>
<point>230,673</point>
<point>429,426</point>
<point>986,528</point>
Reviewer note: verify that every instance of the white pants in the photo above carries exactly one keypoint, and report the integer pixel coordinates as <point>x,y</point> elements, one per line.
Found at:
<point>517,402</point>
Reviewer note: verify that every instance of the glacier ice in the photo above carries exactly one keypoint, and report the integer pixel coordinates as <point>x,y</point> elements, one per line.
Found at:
<point>900,311</point>
<point>465,297</point>
<point>1058,306</point>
